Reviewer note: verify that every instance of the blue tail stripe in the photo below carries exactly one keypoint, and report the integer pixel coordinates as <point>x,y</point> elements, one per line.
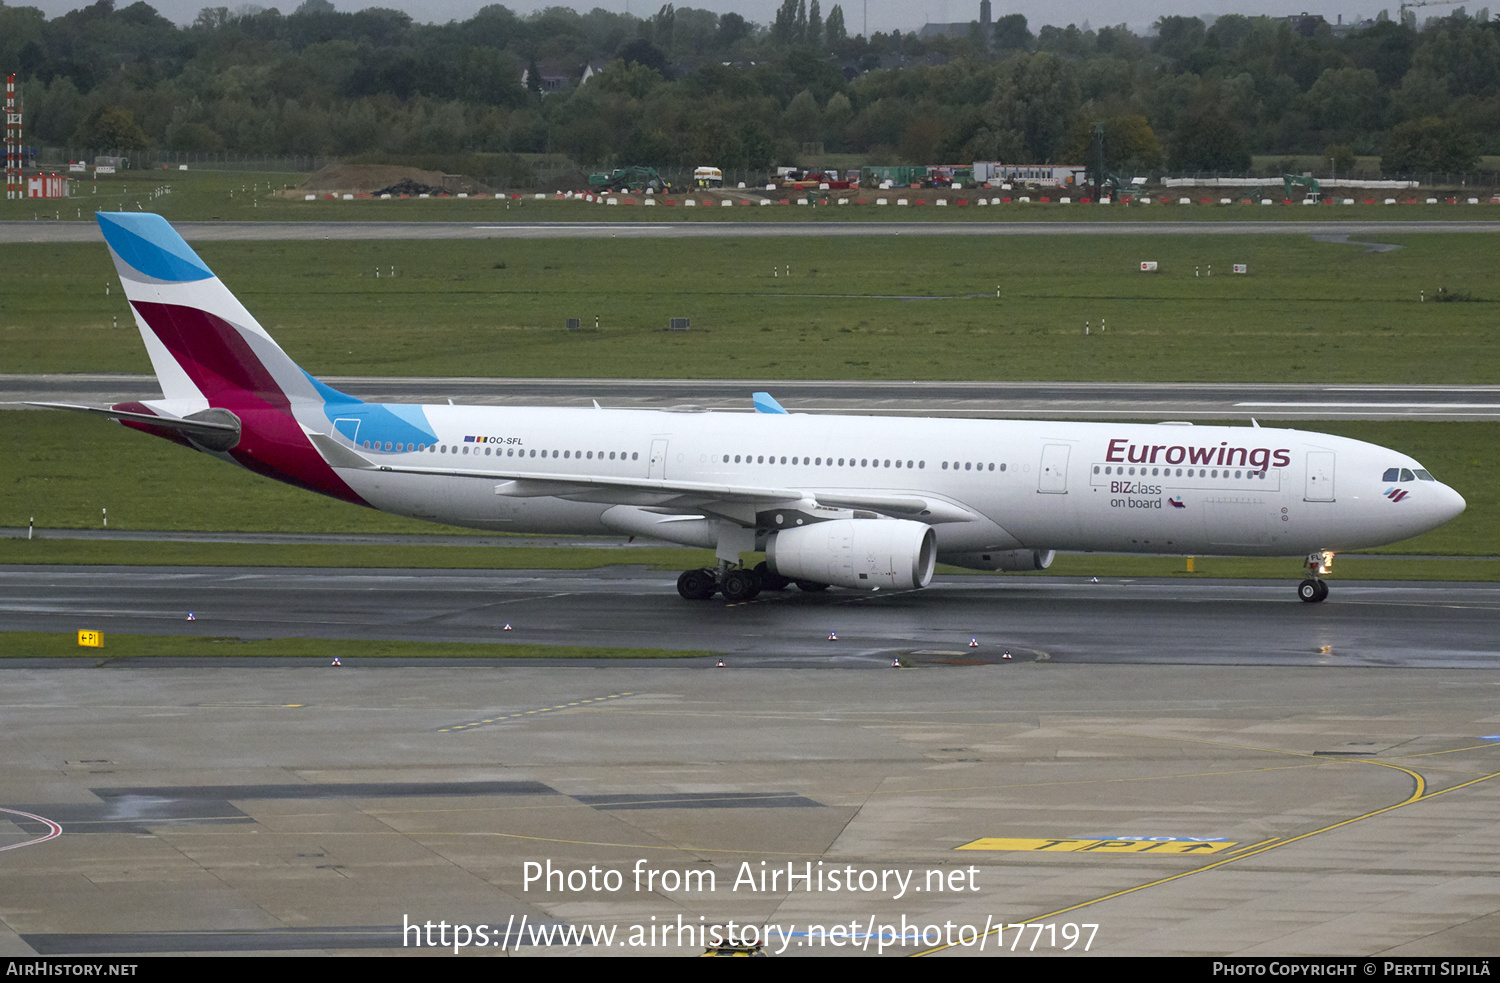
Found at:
<point>766,403</point>
<point>329,394</point>
<point>150,245</point>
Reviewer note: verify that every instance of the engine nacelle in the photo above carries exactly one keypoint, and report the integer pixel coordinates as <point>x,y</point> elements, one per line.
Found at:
<point>1002,559</point>
<point>865,554</point>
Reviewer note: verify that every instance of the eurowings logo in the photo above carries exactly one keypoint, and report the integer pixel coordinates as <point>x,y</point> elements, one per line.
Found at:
<point>1395,494</point>
<point>1122,451</point>
<point>1176,502</point>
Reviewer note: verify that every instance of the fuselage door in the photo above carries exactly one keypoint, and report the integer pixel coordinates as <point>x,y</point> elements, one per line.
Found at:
<point>1319,476</point>
<point>348,428</point>
<point>658,460</point>
<point>1054,476</point>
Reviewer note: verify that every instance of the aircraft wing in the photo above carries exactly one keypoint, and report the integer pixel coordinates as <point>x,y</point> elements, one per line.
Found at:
<point>738,502</point>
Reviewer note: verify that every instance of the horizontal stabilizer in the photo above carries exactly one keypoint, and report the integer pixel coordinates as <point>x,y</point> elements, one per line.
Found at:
<point>171,422</point>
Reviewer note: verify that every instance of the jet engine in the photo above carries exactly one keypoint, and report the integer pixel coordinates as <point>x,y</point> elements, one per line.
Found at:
<point>1002,559</point>
<point>865,554</point>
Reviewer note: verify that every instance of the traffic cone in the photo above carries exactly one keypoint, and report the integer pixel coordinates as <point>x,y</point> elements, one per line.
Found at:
<point>833,636</point>
<point>190,617</point>
<point>973,643</point>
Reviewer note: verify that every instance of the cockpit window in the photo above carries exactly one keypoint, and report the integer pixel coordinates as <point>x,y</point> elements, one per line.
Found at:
<point>1406,475</point>
<point>1425,476</point>
<point>1391,474</point>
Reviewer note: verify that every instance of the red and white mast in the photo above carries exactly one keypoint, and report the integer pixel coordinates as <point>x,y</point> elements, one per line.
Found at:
<point>14,187</point>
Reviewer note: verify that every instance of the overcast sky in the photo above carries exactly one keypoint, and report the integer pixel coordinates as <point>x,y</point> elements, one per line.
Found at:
<point>884,15</point>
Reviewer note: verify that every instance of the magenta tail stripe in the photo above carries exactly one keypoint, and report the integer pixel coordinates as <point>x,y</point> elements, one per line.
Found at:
<point>211,350</point>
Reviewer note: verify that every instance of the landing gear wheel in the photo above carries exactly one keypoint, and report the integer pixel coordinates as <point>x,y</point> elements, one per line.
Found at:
<point>810,586</point>
<point>696,585</point>
<point>740,585</point>
<point>1312,591</point>
<point>769,580</point>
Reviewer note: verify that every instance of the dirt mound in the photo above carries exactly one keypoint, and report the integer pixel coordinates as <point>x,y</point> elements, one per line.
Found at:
<point>406,186</point>
<point>368,178</point>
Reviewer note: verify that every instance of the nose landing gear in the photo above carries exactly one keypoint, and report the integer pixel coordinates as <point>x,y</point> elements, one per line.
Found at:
<point>1314,589</point>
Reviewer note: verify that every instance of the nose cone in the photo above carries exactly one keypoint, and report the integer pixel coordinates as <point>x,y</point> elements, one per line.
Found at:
<point>1449,505</point>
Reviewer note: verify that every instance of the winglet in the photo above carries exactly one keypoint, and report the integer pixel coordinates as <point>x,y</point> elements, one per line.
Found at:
<point>764,403</point>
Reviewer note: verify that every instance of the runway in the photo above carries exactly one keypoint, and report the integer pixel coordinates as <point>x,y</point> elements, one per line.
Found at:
<point>1196,768</point>
<point>1039,619</point>
<point>500,228</point>
<point>1129,810</point>
<point>1021,400</point>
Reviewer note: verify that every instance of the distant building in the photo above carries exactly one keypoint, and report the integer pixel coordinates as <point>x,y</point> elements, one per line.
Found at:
<point>1342,27</point>
<point>553,79</point>
<point>47,186</point>
<point>931,30</point>
<point>960,29</point>
<point>1306,24</point>
<point>1048,175</point>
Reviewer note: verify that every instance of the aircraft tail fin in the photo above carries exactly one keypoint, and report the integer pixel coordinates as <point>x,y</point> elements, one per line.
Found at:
<point>205,347</point>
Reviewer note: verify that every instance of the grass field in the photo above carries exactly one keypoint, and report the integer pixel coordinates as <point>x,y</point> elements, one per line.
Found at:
<point>64,468</point>
<point>1314,311</point>
<point>240,196</point>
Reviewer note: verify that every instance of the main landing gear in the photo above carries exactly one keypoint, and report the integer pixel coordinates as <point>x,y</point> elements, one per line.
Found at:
<point>1314,589</point>
<point>737,584</point>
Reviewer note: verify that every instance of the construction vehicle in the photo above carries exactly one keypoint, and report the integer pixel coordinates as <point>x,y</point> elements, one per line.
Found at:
<point>1402,9</point>
<point>1102,182</point>
<point>901,176</point>
<point>942,175</point>
<point>796,179</point>
<point>1307,181</point>
<point>625,178</point>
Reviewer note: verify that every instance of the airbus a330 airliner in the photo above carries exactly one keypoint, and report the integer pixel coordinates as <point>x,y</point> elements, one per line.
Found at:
<point>855,502</point>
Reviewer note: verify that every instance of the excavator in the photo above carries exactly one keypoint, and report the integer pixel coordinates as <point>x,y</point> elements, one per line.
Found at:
<point>625,178</point>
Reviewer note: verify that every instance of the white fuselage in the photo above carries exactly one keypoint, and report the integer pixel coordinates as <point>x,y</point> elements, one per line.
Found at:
<point>1126,487</point>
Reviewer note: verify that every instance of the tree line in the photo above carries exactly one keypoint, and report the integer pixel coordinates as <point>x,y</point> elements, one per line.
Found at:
<point>686,86</point>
